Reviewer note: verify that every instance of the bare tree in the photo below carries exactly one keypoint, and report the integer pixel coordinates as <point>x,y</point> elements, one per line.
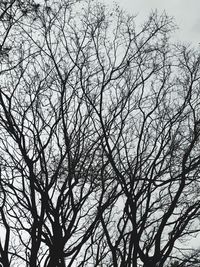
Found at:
<point>50,151</point>
<point>99,123</point>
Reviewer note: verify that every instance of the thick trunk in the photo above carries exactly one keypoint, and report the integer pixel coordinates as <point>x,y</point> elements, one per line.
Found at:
<point>35,245</point>
<point>56,254</point>
<point>56,259</point>
<point>151,263</point>
<point>56,251</point>
<point>5,261</point>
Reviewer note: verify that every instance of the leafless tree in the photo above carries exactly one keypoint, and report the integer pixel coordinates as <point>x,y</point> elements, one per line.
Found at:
<point>99,123</point>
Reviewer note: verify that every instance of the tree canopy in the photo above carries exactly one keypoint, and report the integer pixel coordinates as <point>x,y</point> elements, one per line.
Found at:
<point>99,137</point>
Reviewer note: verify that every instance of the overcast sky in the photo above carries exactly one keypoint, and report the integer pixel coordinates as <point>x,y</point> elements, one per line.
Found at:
<point>185,12</point>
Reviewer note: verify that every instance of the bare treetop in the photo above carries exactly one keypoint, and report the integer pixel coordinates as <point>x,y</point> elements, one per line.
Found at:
<point>99,137</point>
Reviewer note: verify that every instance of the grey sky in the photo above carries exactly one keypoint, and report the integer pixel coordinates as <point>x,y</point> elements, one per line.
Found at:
<point>185,12</point>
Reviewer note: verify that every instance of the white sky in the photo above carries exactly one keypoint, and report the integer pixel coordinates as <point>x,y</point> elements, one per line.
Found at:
<point>185,12</point>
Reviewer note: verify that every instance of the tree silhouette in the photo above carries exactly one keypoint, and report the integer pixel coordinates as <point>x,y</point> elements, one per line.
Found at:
<point>99,137</point>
